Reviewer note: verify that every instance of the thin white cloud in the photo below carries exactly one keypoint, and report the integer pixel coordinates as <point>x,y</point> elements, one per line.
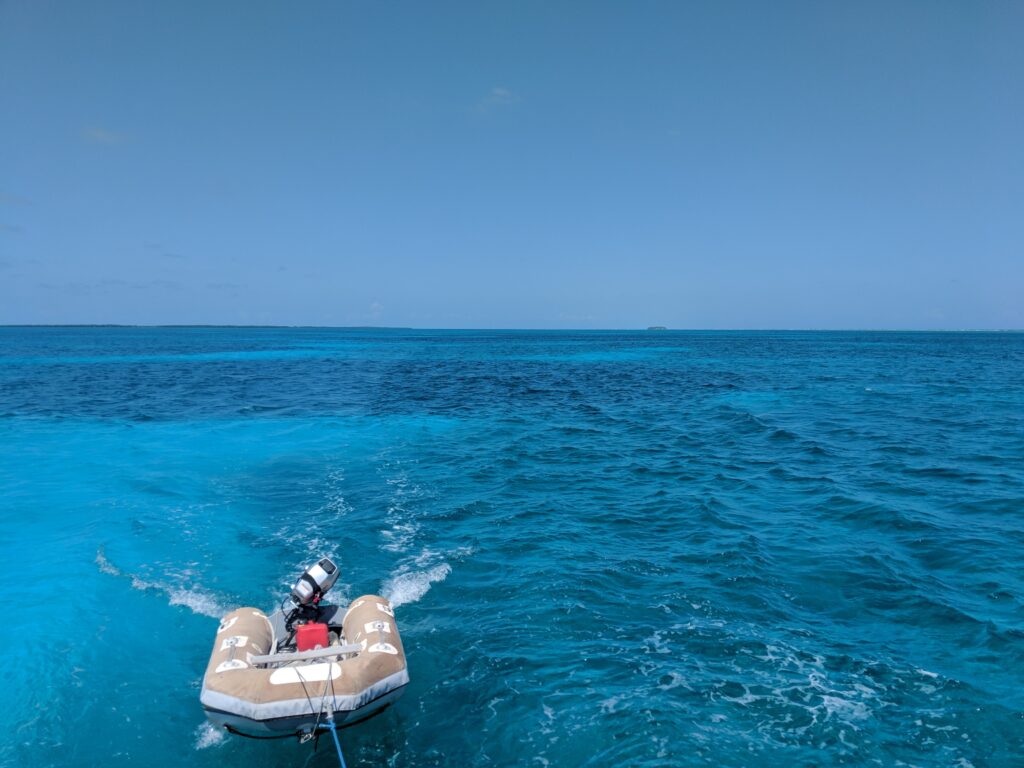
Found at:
<point>497,98</point>
<point>159,250</point>
<point>97,135</point>
<point>110,285</point>
<point>8,199</point>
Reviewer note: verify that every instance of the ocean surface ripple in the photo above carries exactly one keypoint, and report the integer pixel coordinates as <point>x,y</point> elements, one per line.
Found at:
<point>635,549</point>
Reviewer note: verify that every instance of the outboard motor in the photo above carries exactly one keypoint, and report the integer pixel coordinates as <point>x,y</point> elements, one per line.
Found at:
<point>315,582</point>
<point>302,622</point>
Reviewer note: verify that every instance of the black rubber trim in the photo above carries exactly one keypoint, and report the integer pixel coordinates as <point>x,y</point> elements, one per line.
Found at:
<point>237,732</point>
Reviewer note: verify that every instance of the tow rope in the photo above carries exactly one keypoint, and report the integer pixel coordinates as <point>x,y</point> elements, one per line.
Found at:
<point>334,732</point>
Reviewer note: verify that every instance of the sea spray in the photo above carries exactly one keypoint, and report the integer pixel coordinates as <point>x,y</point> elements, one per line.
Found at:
<point>207,736</point>
<point>410,586</point>
<point>198,600</point>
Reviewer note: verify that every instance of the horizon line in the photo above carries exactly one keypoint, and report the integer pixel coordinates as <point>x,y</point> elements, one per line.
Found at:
<point>647,329</point>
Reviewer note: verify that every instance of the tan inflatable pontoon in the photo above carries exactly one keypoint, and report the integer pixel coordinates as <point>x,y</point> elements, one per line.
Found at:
<point>259,682</point>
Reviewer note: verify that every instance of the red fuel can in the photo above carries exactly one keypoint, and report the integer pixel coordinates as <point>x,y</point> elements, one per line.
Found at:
<point>310,636</point>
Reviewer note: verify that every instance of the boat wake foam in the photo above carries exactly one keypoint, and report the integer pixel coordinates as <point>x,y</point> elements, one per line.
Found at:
<point>105,565</point>
<point>208,736</point>
<point>196,599</point>
<point>409,586</point>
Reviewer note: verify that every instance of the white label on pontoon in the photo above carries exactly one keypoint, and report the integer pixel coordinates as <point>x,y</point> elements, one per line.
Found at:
<point>227,666</point>
<point>377,626</point>
<point>385,609</point>
<point>308,673</point>
<point>235,641</point>
<point>383,648</point>
<point>227,624</point>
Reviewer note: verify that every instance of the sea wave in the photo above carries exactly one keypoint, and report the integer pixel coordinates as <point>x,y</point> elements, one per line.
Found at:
<point>105,565</point>
<point>197,599</point>
<point>735,557</point>
<point>408,587</point>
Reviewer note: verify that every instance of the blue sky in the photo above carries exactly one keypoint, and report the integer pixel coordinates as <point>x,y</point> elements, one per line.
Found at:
<point>527,164</point>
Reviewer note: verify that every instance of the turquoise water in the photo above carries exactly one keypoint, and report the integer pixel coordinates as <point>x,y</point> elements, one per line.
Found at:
<point>642,549</point>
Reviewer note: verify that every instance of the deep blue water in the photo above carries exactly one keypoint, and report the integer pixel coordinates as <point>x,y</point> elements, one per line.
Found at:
<point>635,549</point>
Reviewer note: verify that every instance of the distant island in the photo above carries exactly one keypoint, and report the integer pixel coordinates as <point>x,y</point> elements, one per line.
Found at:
<point>656,328</point>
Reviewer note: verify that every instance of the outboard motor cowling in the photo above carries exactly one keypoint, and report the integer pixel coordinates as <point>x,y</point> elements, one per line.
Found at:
<point>315,582</point>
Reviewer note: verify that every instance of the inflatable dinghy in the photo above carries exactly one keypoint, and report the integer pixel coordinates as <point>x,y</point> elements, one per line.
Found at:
<point>290,672</point>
